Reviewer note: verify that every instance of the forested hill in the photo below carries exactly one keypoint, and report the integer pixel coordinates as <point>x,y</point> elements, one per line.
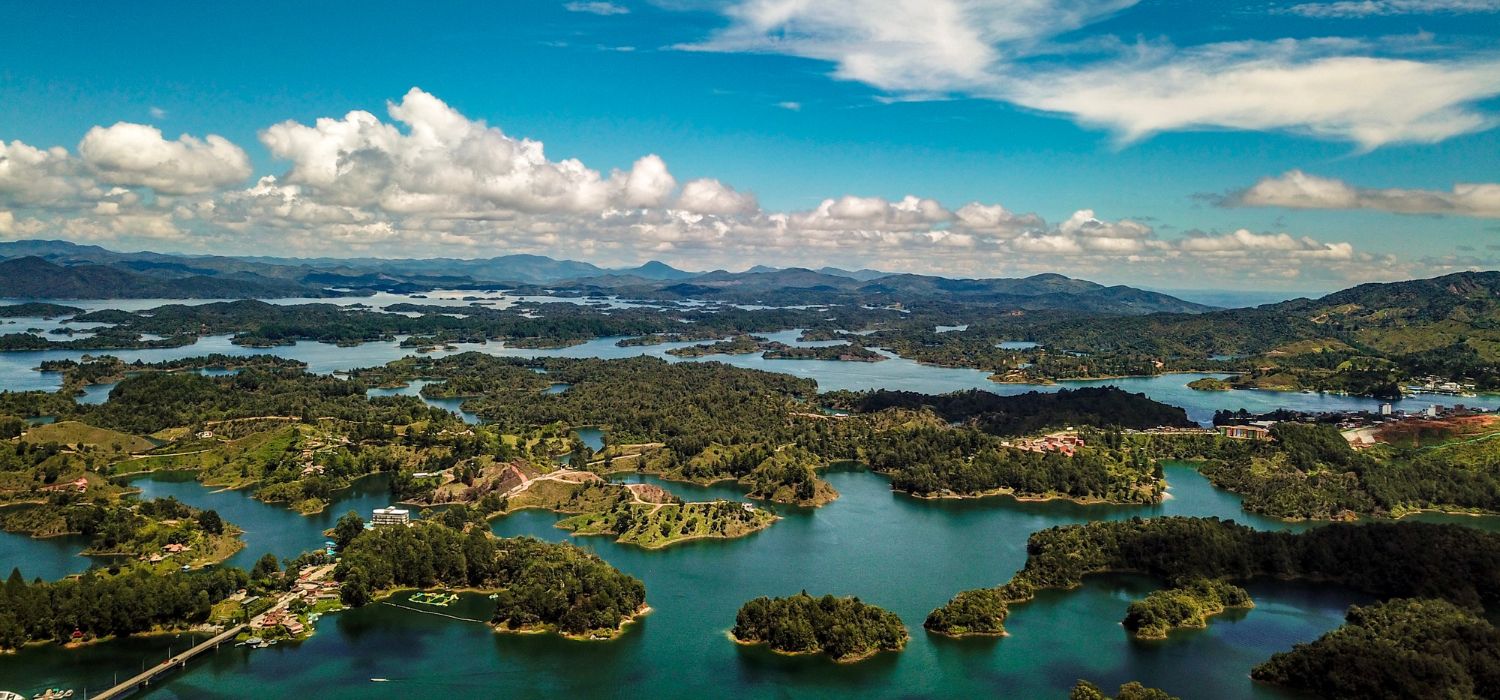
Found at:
<point>1411,316</point>
<point>58,269</point>
<point>802,286</point>
<point>1104,407</point>
<point>34,278</point>
<point>1444,325</point>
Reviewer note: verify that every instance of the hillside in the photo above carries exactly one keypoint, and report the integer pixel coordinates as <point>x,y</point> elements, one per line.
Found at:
<point>34,278</point>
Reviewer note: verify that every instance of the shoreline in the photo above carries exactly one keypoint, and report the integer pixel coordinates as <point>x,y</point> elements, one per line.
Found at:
<point>868,654</point>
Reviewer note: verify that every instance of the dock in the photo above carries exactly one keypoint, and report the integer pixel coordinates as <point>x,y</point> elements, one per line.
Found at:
<point>179,661</point>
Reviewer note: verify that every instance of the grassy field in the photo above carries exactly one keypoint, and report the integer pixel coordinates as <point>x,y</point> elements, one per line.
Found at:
<point>75,433</point>
<point>654,527</point>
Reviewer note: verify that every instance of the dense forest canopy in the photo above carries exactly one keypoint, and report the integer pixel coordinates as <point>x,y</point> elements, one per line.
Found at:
<point>538,584</point>
<point>843,628</point>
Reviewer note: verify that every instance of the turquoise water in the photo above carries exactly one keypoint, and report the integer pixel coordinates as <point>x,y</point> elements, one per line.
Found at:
<point>414,388</point>
<point>905,554</point>
<point>902,553</point>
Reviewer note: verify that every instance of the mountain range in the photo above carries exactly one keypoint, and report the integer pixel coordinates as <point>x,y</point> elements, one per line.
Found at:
<point>39,269</point>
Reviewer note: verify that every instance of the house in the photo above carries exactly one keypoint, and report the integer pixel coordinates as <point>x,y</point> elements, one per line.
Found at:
<point>80,484</point>
<point>1246,432</point>
<point>390,516</point>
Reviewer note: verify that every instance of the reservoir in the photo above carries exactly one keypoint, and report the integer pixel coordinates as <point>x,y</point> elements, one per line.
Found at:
<point>904,554</point>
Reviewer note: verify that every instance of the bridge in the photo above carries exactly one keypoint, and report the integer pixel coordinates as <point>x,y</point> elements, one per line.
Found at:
<point>179,661</point>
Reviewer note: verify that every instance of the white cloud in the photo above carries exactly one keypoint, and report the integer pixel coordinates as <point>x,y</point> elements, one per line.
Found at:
<point>1345,9</point>
<point>994,220</point>
<point>1298,190</point>
<point>157,112</point>
<point>1282,86</point>
<point>443,163</point>
<point>790,106</point>
<point>433,182</point>
<point>1083,224</point>
<point>31,176</point>
<point>596,8</point>
<point>1330,88</point>
<point>916,46</point>
<point>648,184</point>
<point>137,155</point>
<point>911,213</point>
<point>709,196</point>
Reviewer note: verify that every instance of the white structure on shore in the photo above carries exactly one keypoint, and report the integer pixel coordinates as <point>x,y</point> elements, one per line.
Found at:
<point>391,516</point>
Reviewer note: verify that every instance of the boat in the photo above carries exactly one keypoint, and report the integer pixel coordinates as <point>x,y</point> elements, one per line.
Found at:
<point>380,680</point>
<point>8,695</point>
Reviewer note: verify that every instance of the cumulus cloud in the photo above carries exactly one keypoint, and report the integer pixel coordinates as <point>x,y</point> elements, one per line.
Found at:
<point>136,154</point>
<point>31,176</point>
<point>431,181</point>
<point>444,163</point>
<point>1346,9</point>
<point>709,196</point>
<point>994,220</point>
<point>1298,190</point>
<point>911,213</point>
<point>996,49</point>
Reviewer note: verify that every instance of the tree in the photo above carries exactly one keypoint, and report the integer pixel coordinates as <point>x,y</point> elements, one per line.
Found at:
<point>211,523</point>
<point>266,570</point>
<point>347,528</point>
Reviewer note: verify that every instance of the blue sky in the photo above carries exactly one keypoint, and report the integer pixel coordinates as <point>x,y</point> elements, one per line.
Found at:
<point>1157,118</point>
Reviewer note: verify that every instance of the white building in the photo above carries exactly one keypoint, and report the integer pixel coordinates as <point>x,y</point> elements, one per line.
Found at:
<point>1385,409</point>
<point>391,516</point>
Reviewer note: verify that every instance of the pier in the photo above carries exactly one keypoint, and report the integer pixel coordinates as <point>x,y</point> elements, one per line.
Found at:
<point>179,661</point>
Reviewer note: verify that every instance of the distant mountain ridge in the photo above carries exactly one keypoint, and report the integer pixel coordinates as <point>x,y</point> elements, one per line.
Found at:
<point>61,270</point>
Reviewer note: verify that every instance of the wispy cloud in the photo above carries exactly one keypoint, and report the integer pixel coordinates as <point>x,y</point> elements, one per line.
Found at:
<point>157,112</point>
<point>790,106</point>
<point>597,8</point>
<point>1353,9</point>
<point>1298,190</point>
<point>1335,88</point>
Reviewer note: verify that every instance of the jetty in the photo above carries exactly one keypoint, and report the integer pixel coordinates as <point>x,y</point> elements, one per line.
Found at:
<point>150,675</point>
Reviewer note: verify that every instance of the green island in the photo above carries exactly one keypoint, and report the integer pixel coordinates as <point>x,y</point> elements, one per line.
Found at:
<point>639,514</point>
<point>1211,384</point>
<point>1401,648</point>
<point>101,605</point>
<point>1381,558</point>
<point>538,586</point>
<point>1133,690</point>
<point>658,525</point>
<point>1186,605</point>
<point>844,629</point>
<point>773,350</point>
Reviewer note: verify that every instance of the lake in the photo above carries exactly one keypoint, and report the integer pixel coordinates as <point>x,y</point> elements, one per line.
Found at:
<point>904,554</point>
